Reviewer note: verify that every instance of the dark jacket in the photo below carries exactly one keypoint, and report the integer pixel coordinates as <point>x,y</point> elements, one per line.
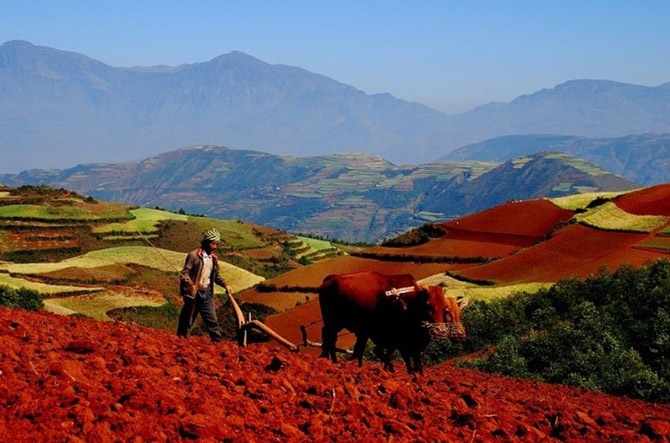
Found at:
<point>190,275</point>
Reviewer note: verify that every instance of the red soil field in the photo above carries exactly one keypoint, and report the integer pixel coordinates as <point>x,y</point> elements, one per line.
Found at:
<point>529,218</point>
<point>312,276</point>
<point>494,233</point>
<point>575,251</point>
<point>76,380</point>
<point>654,200</point>
<point>460,244</point>
<point>308,315</point>
<point>47,239</point>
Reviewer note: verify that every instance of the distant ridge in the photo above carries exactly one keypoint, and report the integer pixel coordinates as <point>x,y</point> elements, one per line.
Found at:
<point>644,158</point>
<point>87,111</point>
<point>353,197</point>
<point>60,108</point>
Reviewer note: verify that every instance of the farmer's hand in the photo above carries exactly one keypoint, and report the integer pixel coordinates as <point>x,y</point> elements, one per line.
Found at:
<point>192,289</point>
<point>229,290</point>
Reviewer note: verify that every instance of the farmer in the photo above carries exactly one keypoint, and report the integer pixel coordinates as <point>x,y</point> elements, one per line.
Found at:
<point>201,271</point>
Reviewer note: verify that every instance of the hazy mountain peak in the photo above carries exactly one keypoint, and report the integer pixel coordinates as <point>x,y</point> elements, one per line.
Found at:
<point>19,55</point>
<point>17,44</point>
<point>237,57</point>
<point>56,105</point>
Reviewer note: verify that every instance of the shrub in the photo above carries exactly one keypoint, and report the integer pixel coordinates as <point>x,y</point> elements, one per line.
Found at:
<point>609,332</point>
<point>20,298</point>
<point>507,359</point>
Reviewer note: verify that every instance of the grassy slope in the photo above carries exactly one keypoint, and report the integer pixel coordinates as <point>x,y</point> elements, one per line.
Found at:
<point>125,256</point>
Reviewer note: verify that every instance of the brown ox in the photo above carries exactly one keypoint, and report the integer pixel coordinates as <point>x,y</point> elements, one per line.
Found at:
<point>404,319</point>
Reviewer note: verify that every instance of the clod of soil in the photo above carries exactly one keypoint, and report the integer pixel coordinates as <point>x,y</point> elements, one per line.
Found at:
<point>76,380</point>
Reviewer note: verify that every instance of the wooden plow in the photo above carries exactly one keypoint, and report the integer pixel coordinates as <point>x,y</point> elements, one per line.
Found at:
<point>246,324</point>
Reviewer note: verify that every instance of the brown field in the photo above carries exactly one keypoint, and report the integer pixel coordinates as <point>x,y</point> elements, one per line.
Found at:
<point>530,218</point>
<point>310,277</point>
<point>658,242</point>
<point>308,315</point>
<point>460,244</point>
<point>263,253</point>
<point>34,240</point>
<point>491,234</point>
<point>278,300</point>
<point>101,274</point>
<point>73,379</point>
<point>575,251</point>
<point>654,200</point>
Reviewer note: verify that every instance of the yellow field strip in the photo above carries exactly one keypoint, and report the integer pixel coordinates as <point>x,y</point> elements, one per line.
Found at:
<point>97,305</point>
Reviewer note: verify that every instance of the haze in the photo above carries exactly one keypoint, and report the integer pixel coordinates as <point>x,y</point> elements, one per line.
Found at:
<point>450,55</point>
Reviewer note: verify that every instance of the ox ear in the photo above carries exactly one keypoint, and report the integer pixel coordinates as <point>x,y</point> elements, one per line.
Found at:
<point>462,303</point>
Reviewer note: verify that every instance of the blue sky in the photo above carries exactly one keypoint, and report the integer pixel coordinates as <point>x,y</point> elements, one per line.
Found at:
<point>450,55</point>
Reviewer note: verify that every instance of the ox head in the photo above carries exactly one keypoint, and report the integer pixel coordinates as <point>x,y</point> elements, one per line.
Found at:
<point>443,318</point>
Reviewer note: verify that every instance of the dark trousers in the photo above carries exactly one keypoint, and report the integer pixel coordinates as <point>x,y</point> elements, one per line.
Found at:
<point>202,303</point>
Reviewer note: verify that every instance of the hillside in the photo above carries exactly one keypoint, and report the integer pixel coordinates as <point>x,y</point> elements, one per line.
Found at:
<point>91,257</point>
<point>643,159</point>
<point>588,108</point>
<point>122,114</point>
<point>352,197</point>
<point>70,379</point>
<point>516,246</point>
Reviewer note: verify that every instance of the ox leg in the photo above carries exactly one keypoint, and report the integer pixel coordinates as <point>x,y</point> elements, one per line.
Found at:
<point>410,361</point>
<point>418,362</point>
<point>328,342</point>
<point>388,360</point>
<point>385,355</point>
<point>389,351</point>
<point>359,348</point>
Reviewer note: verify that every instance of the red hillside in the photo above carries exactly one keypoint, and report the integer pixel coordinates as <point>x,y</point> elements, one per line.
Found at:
<point>654,200</point>
<point>575,251</point>
<point>530,218</point>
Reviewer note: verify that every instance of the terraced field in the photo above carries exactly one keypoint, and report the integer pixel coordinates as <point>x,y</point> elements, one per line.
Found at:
<point>515,247</point>
<point>91,257</point>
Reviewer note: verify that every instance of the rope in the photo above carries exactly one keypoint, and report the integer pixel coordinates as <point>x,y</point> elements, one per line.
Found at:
<point>159,252</point>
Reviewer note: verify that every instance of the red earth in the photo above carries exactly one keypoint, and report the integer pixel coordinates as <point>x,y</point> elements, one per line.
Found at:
<point>79,380</point>
<point>654,200</point>
<point>312,276</point>
<point>532,218</point>
<point>460,244</point>
<point>574,251</point>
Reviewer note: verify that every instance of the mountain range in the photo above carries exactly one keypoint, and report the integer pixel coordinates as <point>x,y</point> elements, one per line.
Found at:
<point>643,158</point>
<point>58,109</point>
<point>352,197</point>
